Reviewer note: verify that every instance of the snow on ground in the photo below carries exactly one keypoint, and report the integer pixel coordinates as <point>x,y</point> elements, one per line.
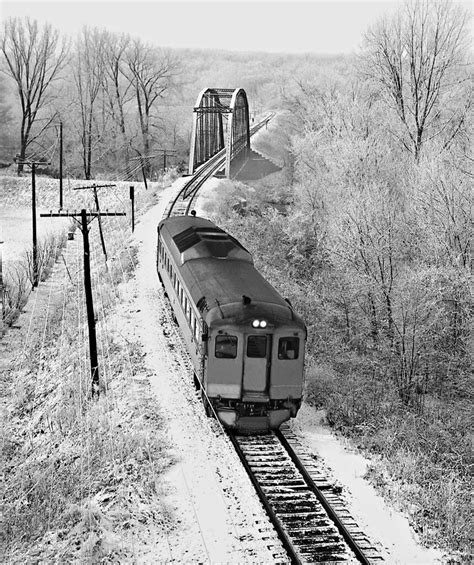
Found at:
<point>16,230</point>
<point>382,524</point>
<point>207,490</point>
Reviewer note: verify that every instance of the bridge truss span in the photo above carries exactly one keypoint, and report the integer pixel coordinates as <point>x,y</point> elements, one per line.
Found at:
<point>220,120</point>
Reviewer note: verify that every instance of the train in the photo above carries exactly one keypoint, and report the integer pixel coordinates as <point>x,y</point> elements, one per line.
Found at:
<point>246,343</point>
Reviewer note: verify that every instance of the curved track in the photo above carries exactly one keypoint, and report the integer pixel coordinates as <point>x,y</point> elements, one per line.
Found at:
<point>183,202</point>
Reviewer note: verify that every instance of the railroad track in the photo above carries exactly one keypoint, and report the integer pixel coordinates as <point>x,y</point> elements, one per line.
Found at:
<point>314,527</point>
<point>304,507</point>
<point>183,202</point>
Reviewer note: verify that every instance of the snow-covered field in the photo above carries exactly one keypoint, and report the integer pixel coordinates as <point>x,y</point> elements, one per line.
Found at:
<point>16,230</point>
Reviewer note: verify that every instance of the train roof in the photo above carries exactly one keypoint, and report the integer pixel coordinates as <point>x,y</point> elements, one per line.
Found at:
<point>192,237</point>
<point>216,279</point>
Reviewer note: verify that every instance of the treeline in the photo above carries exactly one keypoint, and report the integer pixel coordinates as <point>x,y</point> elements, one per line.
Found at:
<point>119,98</point>
<point>369,236</point>
<point>105,87</point>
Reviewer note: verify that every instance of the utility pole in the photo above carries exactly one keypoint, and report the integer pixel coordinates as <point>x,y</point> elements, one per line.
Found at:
<point>143,168</point>
<point>167,152</point>
<point>96,198</point>
<point>84,227</point>
<point>33,164</point>
<point>60,165</point>
<point>2,292</point>
<point>160,152</point>
<point>90,305</point>
<point>132,198</point>
<point>33,215</point>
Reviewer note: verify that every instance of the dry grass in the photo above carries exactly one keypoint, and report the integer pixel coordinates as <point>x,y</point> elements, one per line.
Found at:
<point>19,275</point>
<point>82,474</point>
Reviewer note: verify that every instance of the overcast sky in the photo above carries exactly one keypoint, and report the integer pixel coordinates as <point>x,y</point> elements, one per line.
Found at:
<point>313,26</point>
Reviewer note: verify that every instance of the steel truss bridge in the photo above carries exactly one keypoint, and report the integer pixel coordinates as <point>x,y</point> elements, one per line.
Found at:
<point>221,120</point>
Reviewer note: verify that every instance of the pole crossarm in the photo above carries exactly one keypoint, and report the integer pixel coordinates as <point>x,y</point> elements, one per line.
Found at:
<point>30,163</point>
<point>159,154</point>
<point>72,214</point>
<point>94,186</point>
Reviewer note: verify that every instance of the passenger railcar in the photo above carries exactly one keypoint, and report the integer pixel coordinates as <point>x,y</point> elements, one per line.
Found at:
<point>245,341</point>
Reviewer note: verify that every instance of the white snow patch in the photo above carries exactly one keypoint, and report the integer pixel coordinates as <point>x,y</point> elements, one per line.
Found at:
<point>377,520</point>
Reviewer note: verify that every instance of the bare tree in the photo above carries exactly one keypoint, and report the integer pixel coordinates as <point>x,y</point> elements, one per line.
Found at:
<point>416,59</point>
<point>88,77</point>
<point>151,72</point>
<point>34,59</point>
<point>118,92</point>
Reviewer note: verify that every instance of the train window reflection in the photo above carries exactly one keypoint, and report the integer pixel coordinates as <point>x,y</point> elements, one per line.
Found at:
<point>257,346</point>
<point>226,346</point>
<point>288,347</point>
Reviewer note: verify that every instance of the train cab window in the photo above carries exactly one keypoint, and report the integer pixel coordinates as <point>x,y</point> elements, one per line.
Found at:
<point>288,347</point>
<point>226,347</point>
<point>257,346</point>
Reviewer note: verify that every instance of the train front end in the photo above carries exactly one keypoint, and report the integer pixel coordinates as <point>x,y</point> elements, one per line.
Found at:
<point>255,365</point>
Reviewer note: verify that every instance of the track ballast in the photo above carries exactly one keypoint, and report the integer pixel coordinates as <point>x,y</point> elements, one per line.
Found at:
<point>313,527</point>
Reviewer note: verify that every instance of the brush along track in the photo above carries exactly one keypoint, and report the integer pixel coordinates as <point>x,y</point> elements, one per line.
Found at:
<point>183,202</point>
<point>313,528</point>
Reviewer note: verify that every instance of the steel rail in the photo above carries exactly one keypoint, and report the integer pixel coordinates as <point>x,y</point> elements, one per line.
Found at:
<point>213,164</point>
<point>283,536</point>
<point>293,549</point>
<point>358,552</point>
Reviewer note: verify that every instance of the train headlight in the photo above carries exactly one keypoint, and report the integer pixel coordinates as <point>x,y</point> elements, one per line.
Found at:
<point>263,324</point>
<point>259,323</point>
<point>256,323</point>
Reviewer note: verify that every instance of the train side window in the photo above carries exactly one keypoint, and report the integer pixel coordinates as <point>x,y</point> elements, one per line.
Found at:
<point>288,347</point>
<point>226,347</point>
<point>257,346</point>
<point>195,328</point>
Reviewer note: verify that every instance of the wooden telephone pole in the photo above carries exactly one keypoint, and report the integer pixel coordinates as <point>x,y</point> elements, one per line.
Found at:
<point>2,293</point>
<point>160,153</point>
<point>60,165</point>
<point>84,227</point>
<point>33,164</point>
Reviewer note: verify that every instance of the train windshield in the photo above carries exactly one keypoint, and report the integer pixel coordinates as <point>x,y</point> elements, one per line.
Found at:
<point>288,347</point>
<point>257,346</point>
<point>226,347</point>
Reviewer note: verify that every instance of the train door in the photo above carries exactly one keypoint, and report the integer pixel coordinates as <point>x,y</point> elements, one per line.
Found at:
<point>257,361</point>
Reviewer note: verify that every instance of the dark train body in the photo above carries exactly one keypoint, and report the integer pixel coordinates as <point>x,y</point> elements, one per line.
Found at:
<point>245,341</point>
